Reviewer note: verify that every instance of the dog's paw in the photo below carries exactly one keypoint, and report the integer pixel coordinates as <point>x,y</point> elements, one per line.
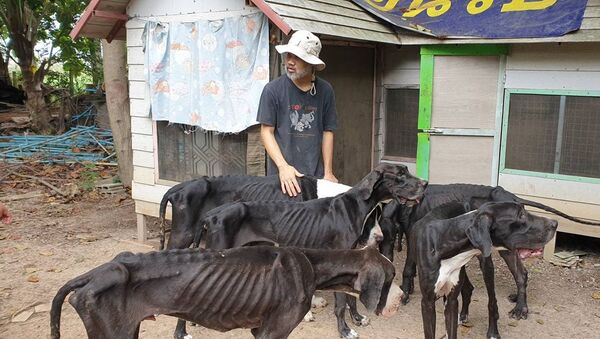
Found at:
<point>519,312</point>
<point>309,317</point>
<point>361,320</point>
<point>318,302</point>
<point>187,336</point>
<point>405,298</point>
<point>352,334</point>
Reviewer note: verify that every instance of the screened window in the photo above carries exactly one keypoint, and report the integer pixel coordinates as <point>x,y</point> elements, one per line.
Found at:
<point>401,116</point>
<point>184,155</point>
<point>555,134</point>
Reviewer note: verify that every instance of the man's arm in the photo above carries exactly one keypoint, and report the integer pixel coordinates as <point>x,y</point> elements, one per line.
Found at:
<point>327,149</point>
<point>287,173</point>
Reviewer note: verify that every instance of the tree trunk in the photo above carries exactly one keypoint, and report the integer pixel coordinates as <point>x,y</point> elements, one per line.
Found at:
<point>35,103</point>
<point>4,74</point>
<point>117,102</point>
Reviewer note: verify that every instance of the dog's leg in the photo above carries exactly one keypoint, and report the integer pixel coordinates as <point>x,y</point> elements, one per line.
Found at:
<point>180,331</point>
<point>487,267</point>
<point>451,307</point>
<point>428,314</point>
<point>465,292</point>
<point>515,265</point>
<point>318,301</point>
<point>357,318</point>
<point>408,276</point>
<point>340,313</point>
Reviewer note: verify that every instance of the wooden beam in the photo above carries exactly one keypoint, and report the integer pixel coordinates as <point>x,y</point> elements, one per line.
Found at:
<point>111,15</point>
<point>116,28</point>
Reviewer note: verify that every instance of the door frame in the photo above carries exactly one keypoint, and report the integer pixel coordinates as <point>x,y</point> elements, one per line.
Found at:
<point>428,54</point>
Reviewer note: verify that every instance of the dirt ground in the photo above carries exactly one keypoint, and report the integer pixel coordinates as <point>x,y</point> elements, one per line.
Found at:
<point>52,240</point>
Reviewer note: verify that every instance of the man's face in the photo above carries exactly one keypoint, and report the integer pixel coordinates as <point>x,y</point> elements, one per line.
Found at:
<point>296,68</point>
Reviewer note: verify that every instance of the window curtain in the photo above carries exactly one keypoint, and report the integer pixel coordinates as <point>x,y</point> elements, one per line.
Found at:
<point>207,73</point>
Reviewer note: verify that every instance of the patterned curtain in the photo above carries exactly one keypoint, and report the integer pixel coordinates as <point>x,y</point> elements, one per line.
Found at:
<point>207,73</point>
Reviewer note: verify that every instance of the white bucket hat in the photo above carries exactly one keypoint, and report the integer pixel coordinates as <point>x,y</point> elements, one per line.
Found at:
<point>306,46</point>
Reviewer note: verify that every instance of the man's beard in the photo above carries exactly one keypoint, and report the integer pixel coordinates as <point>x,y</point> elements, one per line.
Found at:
<point>298,75</point>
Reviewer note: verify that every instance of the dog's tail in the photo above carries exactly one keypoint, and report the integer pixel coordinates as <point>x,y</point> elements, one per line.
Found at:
<point>162,211</point>
<point>59,299</point>
<point>557,212</point>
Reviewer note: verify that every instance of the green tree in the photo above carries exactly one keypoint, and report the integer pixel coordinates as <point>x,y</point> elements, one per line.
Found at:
<point>28,22</point>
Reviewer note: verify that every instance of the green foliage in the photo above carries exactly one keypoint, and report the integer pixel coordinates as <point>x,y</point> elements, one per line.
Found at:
<point>49,24</point>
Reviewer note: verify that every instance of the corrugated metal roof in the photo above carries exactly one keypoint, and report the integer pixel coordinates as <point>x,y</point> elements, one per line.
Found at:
<point>338,18</point>
<point>589,32</point>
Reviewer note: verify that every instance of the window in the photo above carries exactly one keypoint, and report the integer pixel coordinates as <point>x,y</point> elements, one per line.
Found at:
<point>184,156</point>
<point>401,116</point>
<point>555,133</point>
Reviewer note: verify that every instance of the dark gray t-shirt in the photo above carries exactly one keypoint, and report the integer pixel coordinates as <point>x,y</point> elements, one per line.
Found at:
<point>299,119</point>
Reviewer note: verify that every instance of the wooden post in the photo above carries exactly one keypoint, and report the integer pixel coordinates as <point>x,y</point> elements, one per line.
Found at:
<point>142,228</point>
<point>549,248</point>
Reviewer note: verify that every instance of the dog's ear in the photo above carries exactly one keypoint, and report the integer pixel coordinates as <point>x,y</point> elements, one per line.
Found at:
<point>367,184</point>
<point>479,233</point>
<point>370,283</point>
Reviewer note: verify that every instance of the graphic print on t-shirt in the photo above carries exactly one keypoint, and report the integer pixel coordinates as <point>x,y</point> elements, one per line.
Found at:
<point>301,121</point>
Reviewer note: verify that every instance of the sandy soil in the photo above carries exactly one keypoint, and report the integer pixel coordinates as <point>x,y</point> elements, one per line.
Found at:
<point>50,242</point>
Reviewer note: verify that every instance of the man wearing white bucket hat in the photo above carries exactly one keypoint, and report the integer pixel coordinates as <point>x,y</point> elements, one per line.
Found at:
<point>298,116</point>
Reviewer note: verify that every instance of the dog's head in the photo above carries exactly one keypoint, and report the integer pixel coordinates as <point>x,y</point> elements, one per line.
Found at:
<point>391,181</point>
<point>518,230</point>
<point>375,284</point>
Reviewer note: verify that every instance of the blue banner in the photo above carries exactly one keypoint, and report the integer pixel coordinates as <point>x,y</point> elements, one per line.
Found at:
<point>481,18</point>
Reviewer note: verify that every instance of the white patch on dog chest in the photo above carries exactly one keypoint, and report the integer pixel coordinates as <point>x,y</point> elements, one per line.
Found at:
<point>450,270</point>
<point>326,188</point>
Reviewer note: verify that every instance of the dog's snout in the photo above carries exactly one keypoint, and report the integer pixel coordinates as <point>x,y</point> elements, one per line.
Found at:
<point>553,224</point>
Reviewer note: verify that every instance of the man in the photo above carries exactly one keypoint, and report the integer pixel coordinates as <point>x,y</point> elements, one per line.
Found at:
<point>298,116</point>
<point>5,216</point>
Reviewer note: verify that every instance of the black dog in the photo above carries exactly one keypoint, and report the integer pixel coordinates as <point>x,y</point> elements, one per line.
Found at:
<point>266,289</point>
<point>333,223</point>
<point>190,200</point>
<point>443,246</point>
<point>397,220</point>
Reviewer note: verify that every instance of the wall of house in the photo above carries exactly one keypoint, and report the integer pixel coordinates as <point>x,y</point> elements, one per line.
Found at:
<point>566,66</point>
<point>398,67</point>
<point>147,191</point>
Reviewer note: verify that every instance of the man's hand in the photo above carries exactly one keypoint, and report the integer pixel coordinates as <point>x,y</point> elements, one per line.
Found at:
<point>287,178</point>
<point>330,177</point>
<point>5,216</point>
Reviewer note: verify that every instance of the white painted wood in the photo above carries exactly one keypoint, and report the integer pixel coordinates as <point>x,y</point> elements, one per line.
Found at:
<point>149,193</point>
<point>134,23</point>
<point>172,7</point>
<point>135,55</point>
<point>465,91</point>
<point>137,108</point>
<point>554,57</point>
<point>143,175</point>
<point>143,159</point>
<point>456,159</point>
<point>551,188</point>
<point>137,89</point>
<point>134,37</point>
<point>136,72</point>
<point>141,125</point>
<point>150,208</point>
<point>553,80</point>
<point>142,228</point>
<point>142,142</point>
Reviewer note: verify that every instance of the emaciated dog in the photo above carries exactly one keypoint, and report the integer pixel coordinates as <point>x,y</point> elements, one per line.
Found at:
<point>264,288</point>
